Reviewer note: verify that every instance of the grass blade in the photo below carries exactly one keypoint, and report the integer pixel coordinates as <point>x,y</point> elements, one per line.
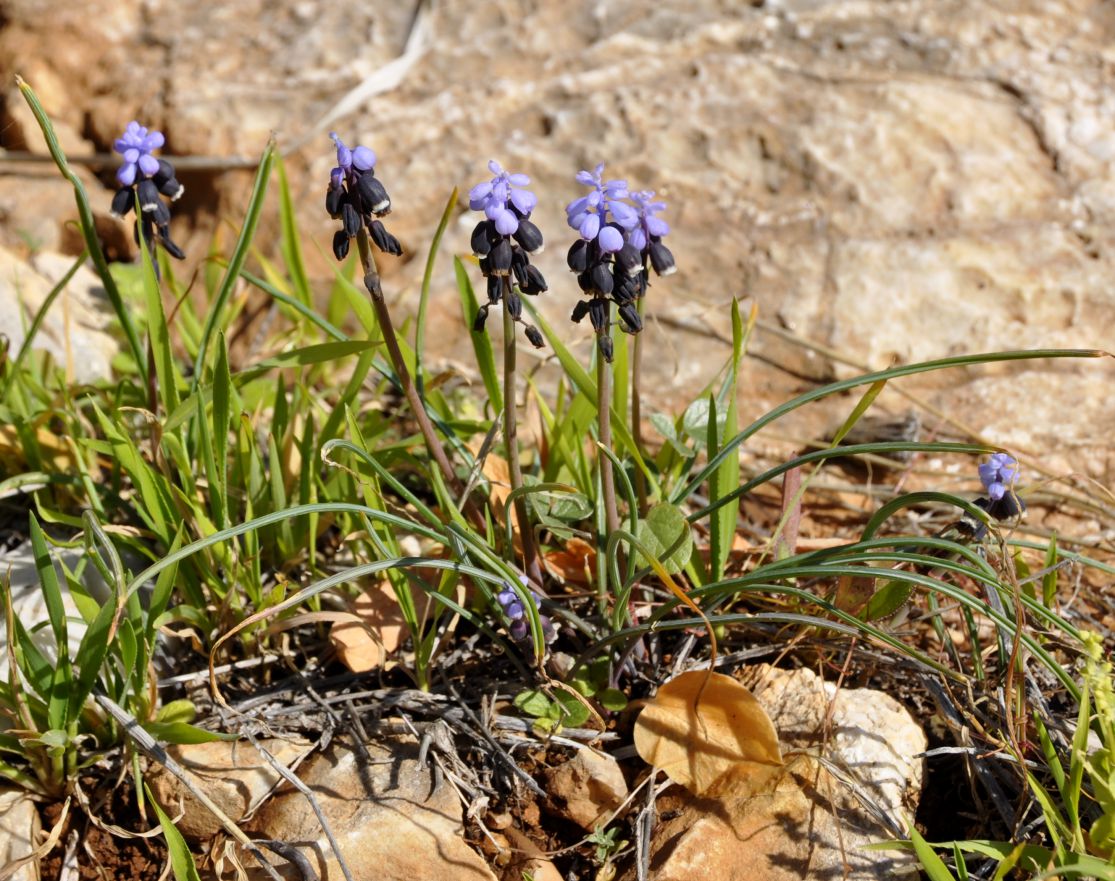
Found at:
<point>236,260</point>
<point>88,227</point>
<point>290,244</point>
<point>424,297</point>
<point>867,379</point>
<point>481,344</point>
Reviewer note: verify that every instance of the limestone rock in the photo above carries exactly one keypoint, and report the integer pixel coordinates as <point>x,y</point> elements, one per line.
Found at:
<point>806,822</point>
<point>19,826</point>
<point>232,774</point>
<point>391,822</point>
<point>802,823</point>
<point>587,787</point>
<point>873,737</point>
<point>76,330</point>
<point>890,181</point>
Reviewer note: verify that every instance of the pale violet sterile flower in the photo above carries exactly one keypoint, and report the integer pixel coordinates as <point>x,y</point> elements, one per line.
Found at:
<point>647,234</point>
<point>358,198</point>
<point>513,608</point>
<point>503,199</point>
<point>146,179</point>
<point>600,215</point>
<point>998,475</point>
<point>608,267</point>
<point>136,146</point>
<point>504,242</point>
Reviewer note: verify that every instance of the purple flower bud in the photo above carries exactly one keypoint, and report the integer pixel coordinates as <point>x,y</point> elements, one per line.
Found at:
<point>480,241</point>
<point>534,335</point>
<point>495,289</point>
<point>661,259</point>
<point>529,237</point>
<point>500,258</point>
<point>373,194</point>
<point>630,317</point>
<point>998,475</point>
<point>577,259</point>
<point>344,154</point>
<point>363,159</point>
<point>598,314</point>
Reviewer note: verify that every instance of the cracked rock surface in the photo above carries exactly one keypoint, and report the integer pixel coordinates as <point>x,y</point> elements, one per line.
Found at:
<point>890,180</point>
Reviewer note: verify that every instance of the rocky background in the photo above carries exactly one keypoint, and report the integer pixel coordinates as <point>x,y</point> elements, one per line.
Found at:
<point>888,181</point>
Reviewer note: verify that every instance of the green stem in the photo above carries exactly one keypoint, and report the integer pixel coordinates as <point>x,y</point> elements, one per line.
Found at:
<point>604,415</point>
<point>637,409</point>
<point>387,329</point>
<point>511,439</point>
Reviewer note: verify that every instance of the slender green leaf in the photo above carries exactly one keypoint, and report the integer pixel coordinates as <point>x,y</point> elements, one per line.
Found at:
<point>481,344</point>
<point>427,279</point>
<point>867,379</point>
<point>88,228</point>
<point>181,860</point>
<point>236,261</point>
<point>290,241</point>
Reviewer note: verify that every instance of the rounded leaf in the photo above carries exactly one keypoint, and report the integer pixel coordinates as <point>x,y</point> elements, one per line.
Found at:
<point>701,726</point>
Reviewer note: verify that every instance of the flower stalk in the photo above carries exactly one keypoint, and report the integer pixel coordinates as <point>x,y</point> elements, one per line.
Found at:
<point>503,242</point>
<point>390,339</point>
<point>511,439</point>
<point>604,436</point>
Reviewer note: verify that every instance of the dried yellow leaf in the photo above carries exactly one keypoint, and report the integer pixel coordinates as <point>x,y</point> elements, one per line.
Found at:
<point>701,726</point>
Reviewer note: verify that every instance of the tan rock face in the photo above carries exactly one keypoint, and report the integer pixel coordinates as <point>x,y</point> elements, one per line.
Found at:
<point>233,775</point>
<point>587,788</point>
<point>76,330</point>
<point>802,824</point>
<point>871,736</point>
<point>893,180</point>
<point>19,826</point>
<point>391,822</point>
<point>803,821</point>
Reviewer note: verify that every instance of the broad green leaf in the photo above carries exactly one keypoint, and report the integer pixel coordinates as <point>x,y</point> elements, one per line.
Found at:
<point>666,533</point>
<point>887,600</point>
<point>532,702</point>
<point>183,732</point>
<point>568,710</point>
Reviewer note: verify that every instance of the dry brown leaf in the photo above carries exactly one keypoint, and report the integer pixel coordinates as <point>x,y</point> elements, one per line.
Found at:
<point>498,473</point>
<point>698,743</point>
<point>376,629</point>
<point>574,564</point>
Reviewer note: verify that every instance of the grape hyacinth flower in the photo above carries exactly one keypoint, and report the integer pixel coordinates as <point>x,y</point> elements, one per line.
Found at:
<point>646,236</point>
<point>608,266</point>
<point>504,241</point>
<point>358,198</point>
<point>149,178</point>
<point>999,475</point>
<point>512,607</point>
